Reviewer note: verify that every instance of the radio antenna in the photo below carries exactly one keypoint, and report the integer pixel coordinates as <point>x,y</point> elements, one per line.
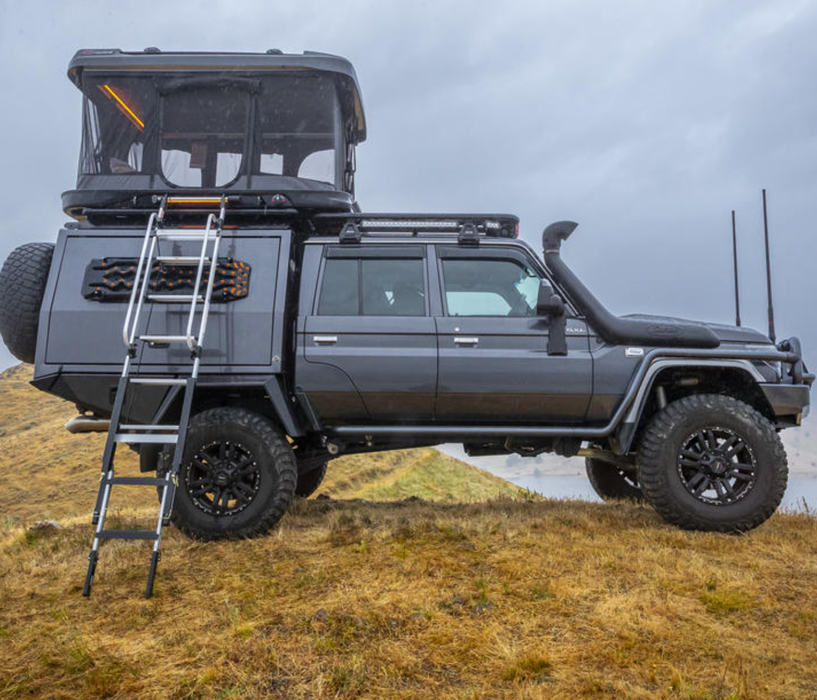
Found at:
<point>735,258</point>
<point>768,269</point>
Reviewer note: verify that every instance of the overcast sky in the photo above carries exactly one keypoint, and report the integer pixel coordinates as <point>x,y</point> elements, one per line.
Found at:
<point>646,122</point>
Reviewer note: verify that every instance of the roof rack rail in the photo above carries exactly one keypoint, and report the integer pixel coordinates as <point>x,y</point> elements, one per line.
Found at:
<point>468,227</point>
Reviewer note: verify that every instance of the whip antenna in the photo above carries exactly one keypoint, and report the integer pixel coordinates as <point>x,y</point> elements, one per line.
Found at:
<point>735,258</point>
<point>768,270</point>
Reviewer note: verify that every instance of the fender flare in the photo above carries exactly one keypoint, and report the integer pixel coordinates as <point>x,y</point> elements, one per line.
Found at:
<point>624,433</point>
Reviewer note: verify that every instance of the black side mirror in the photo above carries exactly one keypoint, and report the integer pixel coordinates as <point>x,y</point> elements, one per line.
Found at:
<point>548,303</point>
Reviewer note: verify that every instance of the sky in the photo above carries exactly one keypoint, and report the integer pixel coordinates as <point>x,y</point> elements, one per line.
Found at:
<point>645,122</point>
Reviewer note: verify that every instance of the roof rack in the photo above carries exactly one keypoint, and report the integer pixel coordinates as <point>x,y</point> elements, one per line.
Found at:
<point>467,227</point>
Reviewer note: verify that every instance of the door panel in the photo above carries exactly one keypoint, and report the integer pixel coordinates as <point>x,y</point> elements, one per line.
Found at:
<point>507,375</point>
<point>371,322</point>
<point>493,361</point>
<point>392,362</point>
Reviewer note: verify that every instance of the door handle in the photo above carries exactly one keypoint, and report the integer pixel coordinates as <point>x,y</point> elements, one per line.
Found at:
<point>325,339</point>
<point>466,341</point>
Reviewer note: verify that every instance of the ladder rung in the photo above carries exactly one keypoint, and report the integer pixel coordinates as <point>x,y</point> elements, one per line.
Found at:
<point>127,534</point>
<point>181,259</point>
<point>146,437</point>
<point>160,381</point>
<point>149,427</point>
<point>170,234</point>
<point>164,338</point>
<point>174,298</point>
<point>137,481</point>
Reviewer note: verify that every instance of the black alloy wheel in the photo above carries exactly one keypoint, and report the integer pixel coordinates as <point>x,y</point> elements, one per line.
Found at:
<point>712,462</point>
<point>237,475</point>
<point>717,466</point>
<point>222,478</point>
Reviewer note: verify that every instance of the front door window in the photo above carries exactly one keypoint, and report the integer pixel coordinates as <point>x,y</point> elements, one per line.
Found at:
<point>488,287</point>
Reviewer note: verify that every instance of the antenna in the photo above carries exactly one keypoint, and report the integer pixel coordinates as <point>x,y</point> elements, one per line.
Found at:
<point>768,270</point>
<point>735,257</point>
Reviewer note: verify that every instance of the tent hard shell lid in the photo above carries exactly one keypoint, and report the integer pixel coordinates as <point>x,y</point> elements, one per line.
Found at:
<point>228,123</point>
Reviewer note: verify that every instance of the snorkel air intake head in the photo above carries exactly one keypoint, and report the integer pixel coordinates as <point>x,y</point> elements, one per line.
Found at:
<point>554,234</point>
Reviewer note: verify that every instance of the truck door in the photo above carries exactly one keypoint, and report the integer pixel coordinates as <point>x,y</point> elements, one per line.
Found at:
<point>493,364</point>
<point>370,320</point>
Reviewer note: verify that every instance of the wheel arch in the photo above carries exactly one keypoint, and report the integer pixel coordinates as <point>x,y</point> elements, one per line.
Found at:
<point>679,378</point>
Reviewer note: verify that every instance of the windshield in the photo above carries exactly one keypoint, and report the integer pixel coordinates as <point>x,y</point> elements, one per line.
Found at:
<point>212,131</point>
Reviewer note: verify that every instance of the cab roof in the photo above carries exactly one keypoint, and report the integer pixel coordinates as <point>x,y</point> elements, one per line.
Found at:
<point>153,60</point>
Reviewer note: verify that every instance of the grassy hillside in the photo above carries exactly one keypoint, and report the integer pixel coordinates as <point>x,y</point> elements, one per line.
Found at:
<point>351,598</point>
<point>50,473</point>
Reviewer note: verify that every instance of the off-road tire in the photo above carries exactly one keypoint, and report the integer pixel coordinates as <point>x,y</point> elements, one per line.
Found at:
<point>659,458</point>
<point>22,285</point>
<point>610,482</point>
<point>310,476</point>
<point>277,474</point>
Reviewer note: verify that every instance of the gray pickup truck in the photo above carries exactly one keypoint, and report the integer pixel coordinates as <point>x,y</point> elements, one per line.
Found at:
<point>216,196</point>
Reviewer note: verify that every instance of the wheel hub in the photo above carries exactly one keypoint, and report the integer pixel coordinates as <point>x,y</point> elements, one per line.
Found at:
<point>222,478</point>
<point>717,466</point>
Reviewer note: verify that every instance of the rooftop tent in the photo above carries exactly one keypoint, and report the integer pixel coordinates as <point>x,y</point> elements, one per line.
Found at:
<point>227,122</point>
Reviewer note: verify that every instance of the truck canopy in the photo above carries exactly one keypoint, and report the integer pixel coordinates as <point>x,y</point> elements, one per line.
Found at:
<point>158,122</point>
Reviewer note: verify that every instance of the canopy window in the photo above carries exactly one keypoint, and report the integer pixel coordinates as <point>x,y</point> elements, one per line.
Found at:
<point>117,124</point>
<point>299,128</point>
<point>277,131</point>
<point>203,136</point>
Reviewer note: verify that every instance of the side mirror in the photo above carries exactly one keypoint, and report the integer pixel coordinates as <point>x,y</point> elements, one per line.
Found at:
<point>548,303</point>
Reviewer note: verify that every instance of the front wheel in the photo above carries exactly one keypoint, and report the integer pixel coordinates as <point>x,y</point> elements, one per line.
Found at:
<point>711,462</point>
<point>237,476</point>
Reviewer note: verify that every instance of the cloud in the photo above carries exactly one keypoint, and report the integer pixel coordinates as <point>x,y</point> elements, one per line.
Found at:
<point>646,122</point>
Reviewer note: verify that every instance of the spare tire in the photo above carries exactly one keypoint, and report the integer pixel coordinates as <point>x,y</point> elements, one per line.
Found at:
<point>22,284</point>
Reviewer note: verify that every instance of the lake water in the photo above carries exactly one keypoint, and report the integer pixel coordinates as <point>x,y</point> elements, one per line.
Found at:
<point>798,491</point>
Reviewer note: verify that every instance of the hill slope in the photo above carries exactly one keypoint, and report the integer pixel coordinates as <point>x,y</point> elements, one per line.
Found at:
<point>511,598</point>
<point>50,473</point>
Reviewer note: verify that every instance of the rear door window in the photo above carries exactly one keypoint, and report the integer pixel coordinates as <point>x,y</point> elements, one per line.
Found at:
<point>373,287</point>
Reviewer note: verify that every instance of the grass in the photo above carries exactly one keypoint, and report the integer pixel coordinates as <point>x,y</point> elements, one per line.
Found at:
<point>503,599</point>
<point>355,596</point>
<point>50,474</point>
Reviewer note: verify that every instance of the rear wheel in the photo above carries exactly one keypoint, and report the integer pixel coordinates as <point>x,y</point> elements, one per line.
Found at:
<point>237,476</point>
<point>711,462</point>
<point>611,482</point>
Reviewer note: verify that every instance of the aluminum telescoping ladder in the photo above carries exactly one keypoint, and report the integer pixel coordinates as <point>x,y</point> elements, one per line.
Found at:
<point>118,432</point>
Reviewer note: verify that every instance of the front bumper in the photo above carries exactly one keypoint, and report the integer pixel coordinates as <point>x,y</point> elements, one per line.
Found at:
<point>790,402</point>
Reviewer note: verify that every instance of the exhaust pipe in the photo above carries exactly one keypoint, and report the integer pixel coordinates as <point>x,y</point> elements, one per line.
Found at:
<point>87,424</point>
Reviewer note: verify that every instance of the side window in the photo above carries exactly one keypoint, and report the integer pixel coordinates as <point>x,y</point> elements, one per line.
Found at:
<point>485,287</point>
<point>340,292</point>
<point>373,287</point>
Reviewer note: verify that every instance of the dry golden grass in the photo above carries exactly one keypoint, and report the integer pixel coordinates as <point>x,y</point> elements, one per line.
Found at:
<point>49,473</point>
<point>510,598</point>
<point>507,599</point>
